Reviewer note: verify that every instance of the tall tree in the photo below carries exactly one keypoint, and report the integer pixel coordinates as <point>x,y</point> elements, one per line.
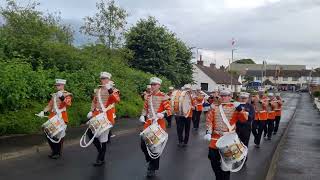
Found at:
<point>245,61</point>
<point>26,31</point>
<point>107,25</point>
<point>158,51</point>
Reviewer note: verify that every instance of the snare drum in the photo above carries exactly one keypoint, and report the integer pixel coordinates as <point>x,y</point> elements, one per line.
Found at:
<point>155,138</point>
<point>55,128</point>
<point>232,151</point>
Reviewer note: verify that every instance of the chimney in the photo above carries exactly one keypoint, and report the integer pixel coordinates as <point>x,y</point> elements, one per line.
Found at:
<point>200,62</point>
<point>222,68</point>
<point>213,65</point>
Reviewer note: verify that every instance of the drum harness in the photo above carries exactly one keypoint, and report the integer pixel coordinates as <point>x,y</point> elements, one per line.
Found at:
<point>59,115</point>
<point>83,141</point>
<point>155,120</point>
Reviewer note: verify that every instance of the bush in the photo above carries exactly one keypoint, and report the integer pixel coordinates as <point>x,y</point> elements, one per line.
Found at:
<point>316,94</point>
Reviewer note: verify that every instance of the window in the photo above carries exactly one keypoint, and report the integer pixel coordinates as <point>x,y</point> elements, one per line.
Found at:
<point>285,78</point>
<point>295,78</point>
<point>204,86</point>
<point>258,78</point>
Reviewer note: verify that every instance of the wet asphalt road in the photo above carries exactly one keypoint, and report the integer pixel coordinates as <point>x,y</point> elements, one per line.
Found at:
<point>300,155</point>
<point>125,161</point>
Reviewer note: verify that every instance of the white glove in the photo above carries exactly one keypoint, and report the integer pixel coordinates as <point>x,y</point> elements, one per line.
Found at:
<point>160,115</point>
<point>236,104</point>
<point>41,114</point>
<point>59,93</point>
<point>207,137</point>
<point>89,115</point>
<point>142,119</point>
<point>108,86</point>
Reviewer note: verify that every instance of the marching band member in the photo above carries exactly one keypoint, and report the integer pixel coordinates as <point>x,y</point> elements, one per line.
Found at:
<point>216,128</point>
<point>214,97</point>
<point>106,96</point>
<point>184,121</point>
<point>244,127</point>
<point>169,118</point>
<point>278,112</point>
<point>198,104</point>
<point>146,92</point>
<point>155,107</point>
<point>61,100</point>
<point>268,130</point>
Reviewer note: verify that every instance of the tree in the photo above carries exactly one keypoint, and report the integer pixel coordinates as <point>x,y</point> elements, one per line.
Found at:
<point>26,31</point>
<point>245,61</point>
<point>107,25</point>
<point>157,51</point>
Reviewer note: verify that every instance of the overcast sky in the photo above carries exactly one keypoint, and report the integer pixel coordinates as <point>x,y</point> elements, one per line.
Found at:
<point>279,31</point>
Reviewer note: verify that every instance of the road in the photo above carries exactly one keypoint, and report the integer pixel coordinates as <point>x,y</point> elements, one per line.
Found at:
<point>124,159</point>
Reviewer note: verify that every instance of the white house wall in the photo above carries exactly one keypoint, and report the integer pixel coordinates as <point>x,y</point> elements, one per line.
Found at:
<point>200,77</point>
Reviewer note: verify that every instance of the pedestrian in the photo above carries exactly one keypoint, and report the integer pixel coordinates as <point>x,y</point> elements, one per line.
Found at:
<point>156,106</point>
<point>216,128</point>
<point>198,104</point>
<point>169,118</point>
<point>57,106</point>
<point>244,127</point>
<point>268,130</point>
<point>260,104</point>
<point>104,99</point>
<point>146,92</point>
<point>184,116</point>
<point>278,111</point>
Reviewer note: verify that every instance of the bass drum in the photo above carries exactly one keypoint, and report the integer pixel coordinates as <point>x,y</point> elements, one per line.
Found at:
<point>181,103</point>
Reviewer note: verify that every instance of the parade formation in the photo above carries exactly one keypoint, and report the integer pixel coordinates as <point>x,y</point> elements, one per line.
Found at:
<point>229,121</point>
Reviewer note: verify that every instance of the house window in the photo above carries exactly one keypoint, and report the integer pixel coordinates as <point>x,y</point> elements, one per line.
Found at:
<point>204,86</point>
<point>295,78</point>
<point>285,79</point>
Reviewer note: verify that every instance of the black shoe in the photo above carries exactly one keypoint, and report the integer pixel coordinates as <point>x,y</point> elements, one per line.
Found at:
<point>269,138</point>
<point>274,133</point>
<point>257,146</point>
<point>151,173</point>
<point>55,156</point>
<point>98,163</point>
<point>184,145</point>
<point>180,144</point>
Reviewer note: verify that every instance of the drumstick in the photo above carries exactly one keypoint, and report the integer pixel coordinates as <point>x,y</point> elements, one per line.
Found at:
<point>41,116</point>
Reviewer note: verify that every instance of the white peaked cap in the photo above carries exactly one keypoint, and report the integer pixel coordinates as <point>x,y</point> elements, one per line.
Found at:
<point>270,94</point>
<point>187,86</point>
<point>216,89</point>
<point>171,88</point>
<point>155,80</point>
<point>244,95</point>
<point>261,89</point>
<point>225,92</point>
<point>105,75</point>
<point>148,86</point>
<point>61,81</point>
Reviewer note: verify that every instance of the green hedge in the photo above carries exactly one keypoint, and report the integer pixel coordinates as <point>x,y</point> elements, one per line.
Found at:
<point>25,92</point>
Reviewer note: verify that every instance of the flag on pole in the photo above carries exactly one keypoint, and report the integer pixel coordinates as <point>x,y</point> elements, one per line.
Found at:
<point>233,42</point>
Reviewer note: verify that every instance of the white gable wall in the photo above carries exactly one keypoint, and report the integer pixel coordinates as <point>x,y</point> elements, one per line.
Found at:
<point>200,77</point>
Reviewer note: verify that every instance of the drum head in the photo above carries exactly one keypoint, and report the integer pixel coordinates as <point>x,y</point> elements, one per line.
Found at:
<point>185,102</point>
<point>227,140</point>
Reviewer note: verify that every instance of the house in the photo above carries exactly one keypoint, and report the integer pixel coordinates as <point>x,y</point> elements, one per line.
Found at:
<point>242,68</point>
<point>286,79</point>
<point>209,78</point>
